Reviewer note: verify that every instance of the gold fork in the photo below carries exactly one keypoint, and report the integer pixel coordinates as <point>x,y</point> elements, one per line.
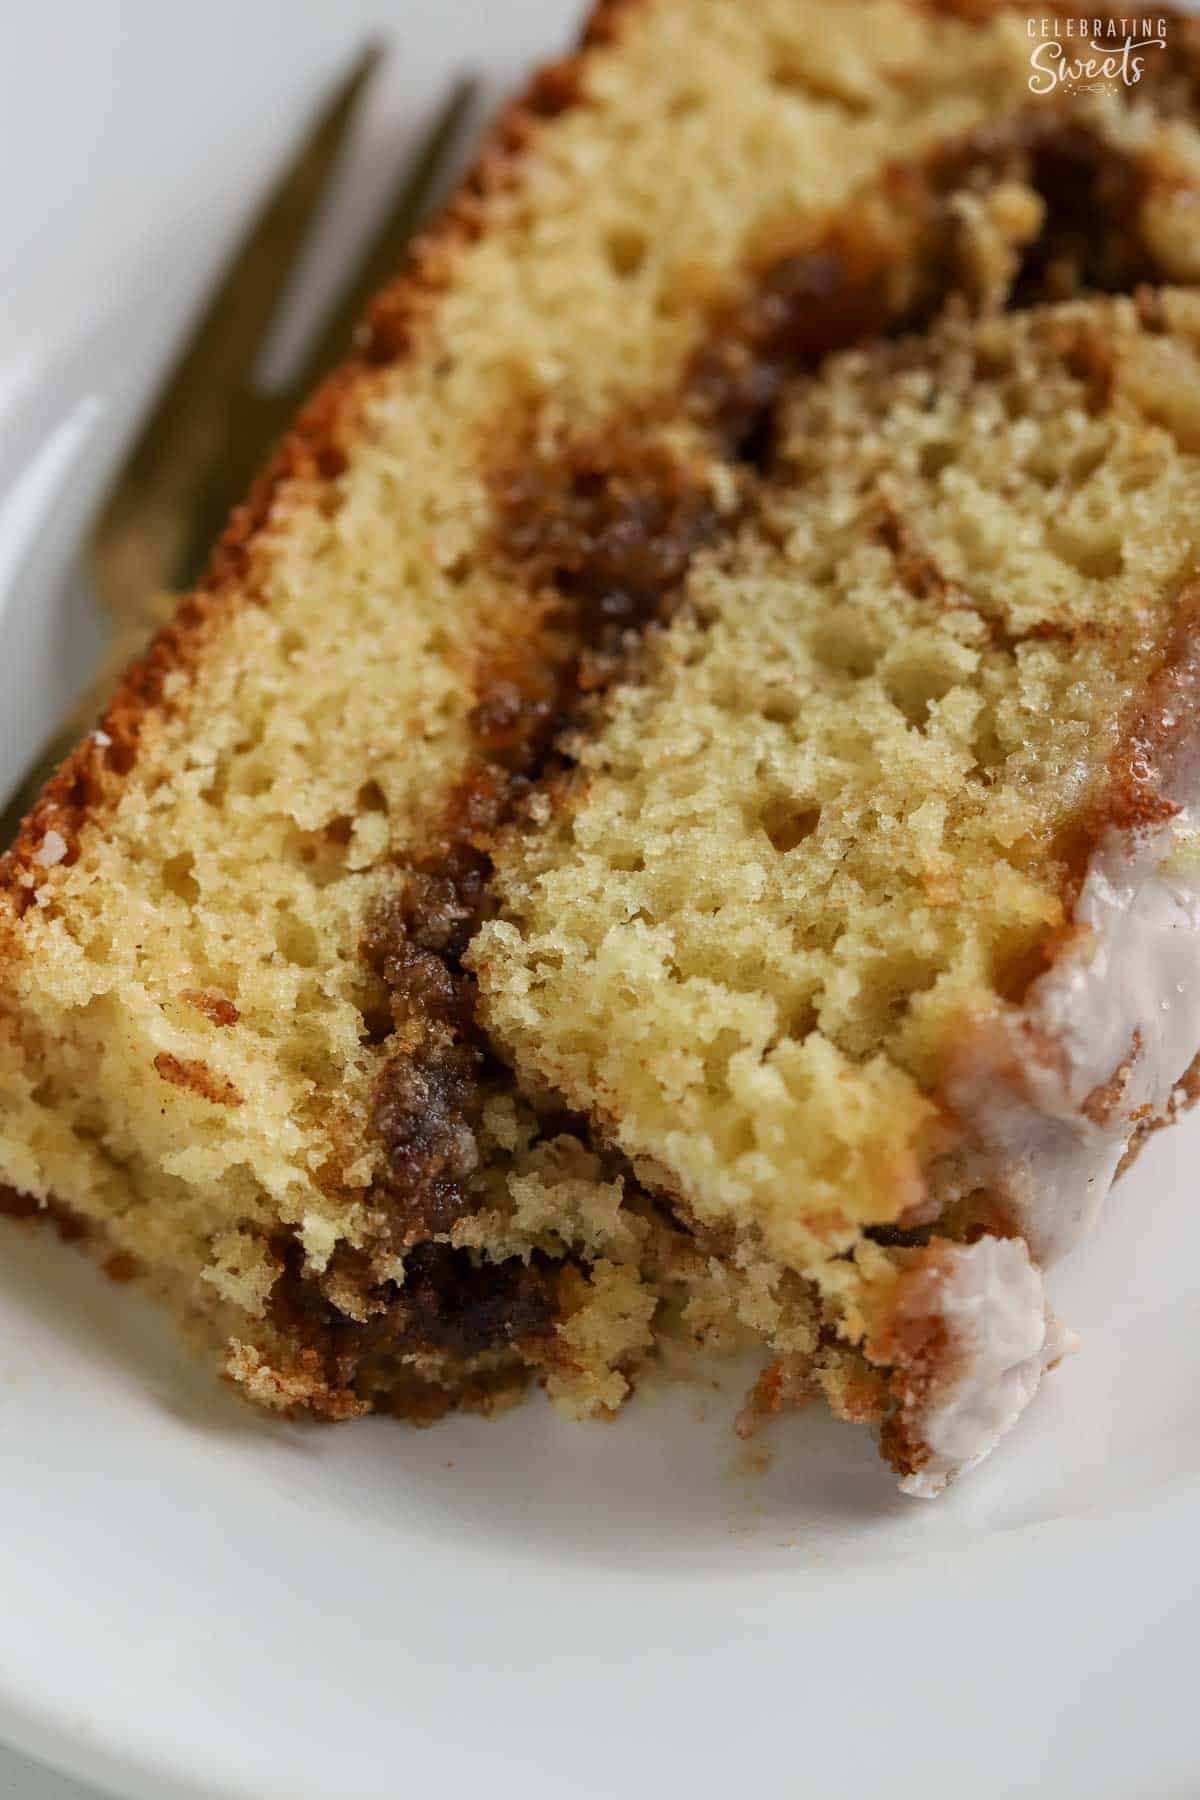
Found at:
<point>212,426</point>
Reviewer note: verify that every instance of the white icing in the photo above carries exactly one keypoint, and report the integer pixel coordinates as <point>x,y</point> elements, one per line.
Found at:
<point>1052,1096</point>
<point>1116,1018</point>
<point>999,1339</point>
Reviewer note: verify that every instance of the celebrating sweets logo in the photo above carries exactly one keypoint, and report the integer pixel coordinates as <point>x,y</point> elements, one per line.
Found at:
<point>1076,55</point>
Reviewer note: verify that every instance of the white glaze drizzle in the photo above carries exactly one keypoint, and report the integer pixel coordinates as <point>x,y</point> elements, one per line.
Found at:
<point>1000,1337</point>
<point>1112,1026</point>
<point>1053,1094</point>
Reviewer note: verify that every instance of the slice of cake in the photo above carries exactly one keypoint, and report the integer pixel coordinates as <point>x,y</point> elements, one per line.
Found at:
<point>863,923</point>
<point>667,818</point>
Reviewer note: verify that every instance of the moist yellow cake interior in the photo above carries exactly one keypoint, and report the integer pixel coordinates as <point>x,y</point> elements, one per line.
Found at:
<point>833,821</point>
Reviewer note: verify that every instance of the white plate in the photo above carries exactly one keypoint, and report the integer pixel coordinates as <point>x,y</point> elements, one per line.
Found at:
<point>194,1600</point>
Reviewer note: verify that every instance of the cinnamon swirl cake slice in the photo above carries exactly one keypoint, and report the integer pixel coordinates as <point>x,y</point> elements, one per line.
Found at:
<point>668,817</point>
<point>864,922</point>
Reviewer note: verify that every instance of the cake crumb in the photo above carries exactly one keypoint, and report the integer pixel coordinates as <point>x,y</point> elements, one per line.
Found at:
<point>51,851</point>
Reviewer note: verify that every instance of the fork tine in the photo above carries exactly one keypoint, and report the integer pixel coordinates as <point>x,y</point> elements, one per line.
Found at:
<point>142,538</point>
<point>211,429</point>
<point>234,328</point>
<point>260,417</point>
<point>384,254</point>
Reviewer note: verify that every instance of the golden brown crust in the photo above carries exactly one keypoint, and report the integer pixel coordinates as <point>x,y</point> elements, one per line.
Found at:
<point>1158,728</point>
